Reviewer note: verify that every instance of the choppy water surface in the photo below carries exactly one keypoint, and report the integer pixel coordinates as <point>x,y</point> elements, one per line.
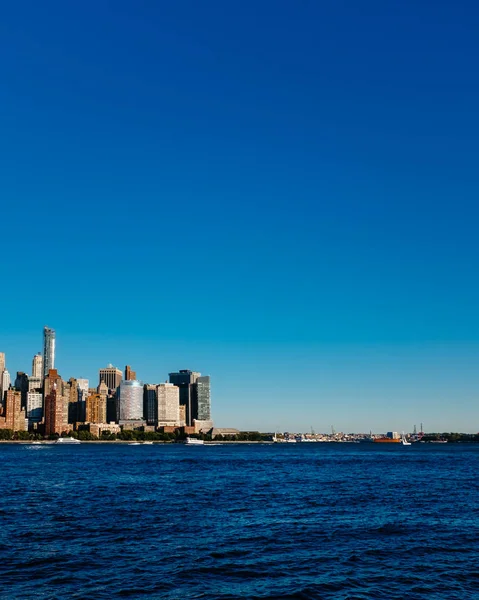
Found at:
<point>239,521</point>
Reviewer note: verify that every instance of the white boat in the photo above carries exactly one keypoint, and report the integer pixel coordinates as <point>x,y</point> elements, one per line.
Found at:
<point>193,441</point>
<point>67,440</point>
<point>134,444</point>
<point>404,441</point>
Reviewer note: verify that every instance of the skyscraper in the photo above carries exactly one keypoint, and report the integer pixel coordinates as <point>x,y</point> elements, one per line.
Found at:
<point>37,365</point>
<point>150,412</point>
<point>52,379</point>
<point>48,350</point>
<point>83,385</point>
<point>129,374</point>
<point>21,385</point>
<point>2,362</point>
<point>203,395</point>
<point>185,380</point>
<point>168,408</point>
<point>54,406</point>
<point>4,384</point>
<point>130,401</point>
<point>111,376</point>
<point>14,415</point>
<point>96,408</point>
<point>34,407</point>
<point>35,384</point>
<point>73,400</point>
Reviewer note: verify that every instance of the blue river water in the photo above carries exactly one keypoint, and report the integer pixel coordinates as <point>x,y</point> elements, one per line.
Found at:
<point>345,521</point>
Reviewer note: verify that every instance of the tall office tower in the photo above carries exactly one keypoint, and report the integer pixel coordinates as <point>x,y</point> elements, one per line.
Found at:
<point>48,350</point>
<point>96,408</point>
<point>168,407</point>
<point>130,401</point>
<point>14,418</point>
<point>111,376</point>
<point>35,384</point>
<point>34,407</point>
<point>2,362</point>
<point>4,384</point>
<point>203,395</point>
<point>150,404</point>
<point>102,389</point>
<point>71,392</point>
<point>53,414</point>
<point>52,379</point>
<point>129,374</point>
<point>185,380</point>
<point>21,385</point>
<point>37,365</point>
<point>82,396</point>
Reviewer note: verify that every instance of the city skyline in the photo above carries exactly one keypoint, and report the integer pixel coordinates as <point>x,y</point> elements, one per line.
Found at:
<point>253,412</point>
<point>295,215</point>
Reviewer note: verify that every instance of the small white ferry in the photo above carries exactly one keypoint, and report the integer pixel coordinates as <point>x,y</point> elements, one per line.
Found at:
<point>193,441</point>
<point>67,440</point>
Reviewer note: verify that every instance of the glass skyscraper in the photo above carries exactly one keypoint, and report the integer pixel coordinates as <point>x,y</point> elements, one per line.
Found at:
<point>130,400</point>
<point>203,392</point>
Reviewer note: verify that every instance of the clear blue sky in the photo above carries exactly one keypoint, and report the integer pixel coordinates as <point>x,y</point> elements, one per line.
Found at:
<point>281,194</point>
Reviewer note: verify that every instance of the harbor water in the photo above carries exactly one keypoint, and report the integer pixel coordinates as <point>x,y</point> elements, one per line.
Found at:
<point>345,521</point>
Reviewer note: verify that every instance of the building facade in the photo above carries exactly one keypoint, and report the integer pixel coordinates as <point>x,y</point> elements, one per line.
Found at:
<point>4,384</point>
<point>203,395</point>
<point>53,413</point>
<point>150,404</point>
<point>130,401</point>
<point>95,408</point>
<point>168,404</point>
<point>21,385</point>
<point>83,385</point>
<point>111,376</point>
<point>37,365</point>
<point>186,380</point>
<point>129,374</point>
<point>48,350</point>
<point>15,416</point>
<point>35,384</point>
<point>34,407</point>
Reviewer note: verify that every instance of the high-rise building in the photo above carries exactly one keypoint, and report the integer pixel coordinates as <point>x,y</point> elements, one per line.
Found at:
<point>4,384</point>
<point>150,404</point>
<point>73,408</point>
<point>21,385</point>
<point>52,379</point>
<point>185,380</point>
<point>96,408</point>
<point>37,365</point>
<point>14,418</point>
<point>53,414</point>
<point>168,404</point>
<point>48,350</point>
<point>35,384</point>
<point>2,362</point>
<point>102,389</point>
<point>34,407</point>
<point>111,376</point>
<point>82,396</point>
<point>203,396</point>
<point>130,401</point>
<point>129,374</point>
